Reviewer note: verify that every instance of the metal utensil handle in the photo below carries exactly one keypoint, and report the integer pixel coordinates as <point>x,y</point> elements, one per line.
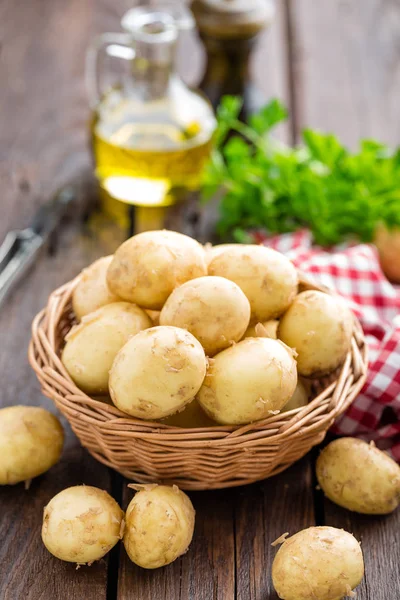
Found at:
<point>118,45</point>
<point>29,246</point>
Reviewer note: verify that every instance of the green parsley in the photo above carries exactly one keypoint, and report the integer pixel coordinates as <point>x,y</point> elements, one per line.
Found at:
<point>320,185</point>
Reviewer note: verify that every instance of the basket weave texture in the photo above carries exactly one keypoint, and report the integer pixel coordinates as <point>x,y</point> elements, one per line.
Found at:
<point>195,459</point>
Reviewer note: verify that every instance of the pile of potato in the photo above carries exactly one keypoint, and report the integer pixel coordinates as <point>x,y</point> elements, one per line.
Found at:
<point>166,324</point>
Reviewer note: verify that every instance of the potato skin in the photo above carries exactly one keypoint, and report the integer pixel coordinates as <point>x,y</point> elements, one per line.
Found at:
<point>92,291</point>
<point>299,398</point>
<point>81,524</point>
<point>191,416</point>
<point>213,251</point>
<point>265,329</point>
<point>92,345</point>
<point>157,372</point>
<point>359,477</point>
<point>319,327</point>
<point>31,441</point>
<point>213,309</point>
<point>246,382</point>
<point>159,526</point>
<point>267,278</point>
<point>388,243</point>
<point>318,562</point>
<point>149,266</point>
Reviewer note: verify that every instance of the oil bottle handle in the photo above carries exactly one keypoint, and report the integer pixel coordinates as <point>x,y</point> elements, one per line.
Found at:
<point>117,45</point>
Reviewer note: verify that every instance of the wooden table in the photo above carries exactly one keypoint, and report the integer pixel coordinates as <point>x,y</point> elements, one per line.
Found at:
<point>336,65</point>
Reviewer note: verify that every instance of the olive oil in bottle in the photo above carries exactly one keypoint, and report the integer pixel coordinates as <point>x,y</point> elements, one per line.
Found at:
<point>151,135</point>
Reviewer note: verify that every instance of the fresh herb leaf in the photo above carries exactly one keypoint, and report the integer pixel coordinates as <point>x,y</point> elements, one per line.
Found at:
<point>320,185</point>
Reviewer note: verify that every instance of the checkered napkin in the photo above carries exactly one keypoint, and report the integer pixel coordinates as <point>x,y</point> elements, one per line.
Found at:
<point>355,273</point>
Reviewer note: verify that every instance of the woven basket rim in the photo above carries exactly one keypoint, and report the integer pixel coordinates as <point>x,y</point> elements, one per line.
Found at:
<point>209,457</point>
<point>43,334</point>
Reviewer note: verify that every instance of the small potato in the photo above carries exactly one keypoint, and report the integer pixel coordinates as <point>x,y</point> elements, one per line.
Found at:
<point>31,441</point>
<point>93,344</point>
<point>266,329</point>
<point>191,416</point>
<point>159,525</point>
<point>267,278</point>
<point>388,243</point>
<point>150,265</point>
<point>359,477</point>
<point>213,309</point>
<point>81,524</point>
<point>154,316</point>
<point>319,327</point>
<point>299,398</point>
<point>248,381</point>
<point>157,372</point>
<point>324,563</point>
<point>92,291</point>
<point>213,251</point>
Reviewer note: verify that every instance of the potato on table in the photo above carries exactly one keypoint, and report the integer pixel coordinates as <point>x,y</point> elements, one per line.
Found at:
<point>81,524</point>
<point>267,278</point>
<point>92,291</point>
<point>157,372</point>
<point>248,381</point>
<point>213,309</point>
<point>359,477</point>
<point>324,563</point>
<point>319,327</point>
<point>31,441</point>
<point>149,266</point>
<point>92,345</point>
<point>159,525</point>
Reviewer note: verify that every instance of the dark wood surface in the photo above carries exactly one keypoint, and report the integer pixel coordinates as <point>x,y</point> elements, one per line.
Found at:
<point>336,65</point>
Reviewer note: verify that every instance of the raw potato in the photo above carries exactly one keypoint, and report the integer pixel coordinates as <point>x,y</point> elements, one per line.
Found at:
<point>191,416</point>
<point>81,524</point>
<point>92,291</point>
<point>31,441</point>
<point>157,372</point>
<point>266,329</point>
<point>358,476</point>
<point>319,327</point>
<point>213,251</point>
<point>249,381</point>
<point>150,265</point>
<point>267,278</point>
<point>213,309</point>
<point>93,344</point>
<point>154,316</point>
<point>299,398</point>
<point>388,243</point>
<point>324,563</point>
<point>159,525</point>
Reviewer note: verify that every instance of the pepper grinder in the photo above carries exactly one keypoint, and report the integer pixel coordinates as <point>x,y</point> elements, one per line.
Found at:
<point>229,30</point>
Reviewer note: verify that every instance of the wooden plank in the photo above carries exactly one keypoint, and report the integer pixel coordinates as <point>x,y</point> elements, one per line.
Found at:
<point>263,512</point>
<point>379,542</point>
<point>347,81</point>
<point>43,143</point>
<point>346,58</point>
<point>206,571</point>
<point>269,66</point>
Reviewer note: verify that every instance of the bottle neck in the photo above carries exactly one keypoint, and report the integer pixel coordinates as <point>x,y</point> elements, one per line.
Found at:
<point>227,67</point>
<point>151,70</point>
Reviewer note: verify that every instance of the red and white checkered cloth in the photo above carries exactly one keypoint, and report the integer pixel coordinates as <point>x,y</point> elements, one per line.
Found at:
<point>355,272</point>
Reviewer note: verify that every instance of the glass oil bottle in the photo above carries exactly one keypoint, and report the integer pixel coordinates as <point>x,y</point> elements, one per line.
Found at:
<point>151,134</point>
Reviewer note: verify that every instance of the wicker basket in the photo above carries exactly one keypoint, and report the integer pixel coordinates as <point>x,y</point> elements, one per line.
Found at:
<point>194,459</point>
